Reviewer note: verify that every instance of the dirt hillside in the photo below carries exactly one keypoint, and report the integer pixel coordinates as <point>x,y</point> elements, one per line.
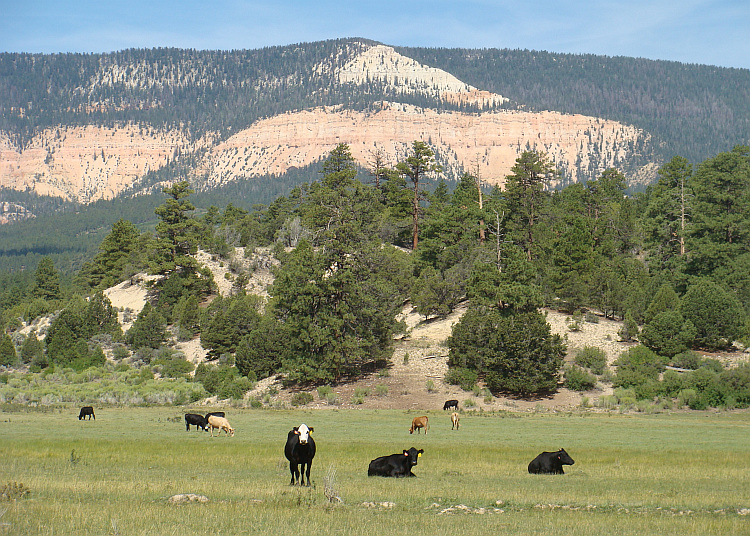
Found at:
<point>414,379</point>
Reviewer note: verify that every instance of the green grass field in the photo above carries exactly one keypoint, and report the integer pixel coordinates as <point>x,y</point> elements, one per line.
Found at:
<point>681,474</point>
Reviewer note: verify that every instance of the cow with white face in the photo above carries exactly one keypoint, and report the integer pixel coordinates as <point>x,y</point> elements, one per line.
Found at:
<point>300,451</point>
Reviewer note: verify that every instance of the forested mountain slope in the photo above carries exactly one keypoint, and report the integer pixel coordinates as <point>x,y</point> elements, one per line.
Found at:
<point>94,126</point>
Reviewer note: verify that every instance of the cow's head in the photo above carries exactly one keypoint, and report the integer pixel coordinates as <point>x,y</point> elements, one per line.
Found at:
<point>413,455</point>
<point>564,458</point>
<point>303,432</point>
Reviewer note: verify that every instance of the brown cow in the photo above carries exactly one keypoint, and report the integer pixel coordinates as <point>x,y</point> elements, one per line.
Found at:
<point>454,420</point>
<point>221,423</point>
<point>419,422</point>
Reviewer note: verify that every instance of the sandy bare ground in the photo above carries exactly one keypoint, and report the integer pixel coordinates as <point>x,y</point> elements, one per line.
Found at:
<point>414,378</point>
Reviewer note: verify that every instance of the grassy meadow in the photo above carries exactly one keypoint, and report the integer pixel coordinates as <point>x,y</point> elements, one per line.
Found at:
<point>681,474</point>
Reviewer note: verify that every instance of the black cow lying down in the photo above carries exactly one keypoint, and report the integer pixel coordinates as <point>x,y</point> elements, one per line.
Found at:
<point>199,421</point>
<point>396,465</point>
<point>550,463</point>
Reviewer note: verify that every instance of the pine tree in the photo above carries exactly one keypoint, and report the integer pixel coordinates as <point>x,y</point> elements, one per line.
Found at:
<point>47,280</point>
<point>418,164</point>
<point>176,233</point>
<point>148,330</point>
<point>31,349</point>
<point>8,356</point>
<point>526,195</point>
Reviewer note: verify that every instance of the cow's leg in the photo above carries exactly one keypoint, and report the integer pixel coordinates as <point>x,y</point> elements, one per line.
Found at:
<point>309,465</point>
<point>295,472</point>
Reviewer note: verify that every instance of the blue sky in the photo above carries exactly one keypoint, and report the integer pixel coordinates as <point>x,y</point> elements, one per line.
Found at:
<point>714,32</point>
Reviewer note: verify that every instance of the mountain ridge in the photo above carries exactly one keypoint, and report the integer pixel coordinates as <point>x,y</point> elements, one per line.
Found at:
<point>136,112</point>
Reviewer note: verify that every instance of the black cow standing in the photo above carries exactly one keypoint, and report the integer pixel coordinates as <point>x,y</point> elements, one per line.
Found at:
<point>86,411</point>
<point>550,463</point>
<point>450,404</point>
<point>215,413</point>
<point>300,451</point>
<point>395,465</point>
<point>199,421</point>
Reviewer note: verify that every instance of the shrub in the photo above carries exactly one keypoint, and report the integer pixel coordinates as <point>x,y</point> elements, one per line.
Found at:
<point>687,360</point>
<point>607,401</point>
<point>301,399</point>
<point>717,315</point>
<point>647,390</point>
<point>668,333</point>
<point>672,383</point>
<point>172,364</point>
<point>708,386</point>
<point>687,397</point>
<point>578,379</point>
<point>324,391</point>
<point>464,377</point>
<point>625,396</point>
<point>430,386</point>
<point>736,385</point>
<point>593,358</point>
<point>235,388</point>
<point>636,366</point>
<point>629,329</point>
<point>381,389</point>
<point>516,351</point>
<point>591,318</point>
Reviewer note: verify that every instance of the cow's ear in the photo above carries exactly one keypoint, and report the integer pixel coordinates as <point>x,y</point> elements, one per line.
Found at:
<point>406,453</point>
<point>311,429</point>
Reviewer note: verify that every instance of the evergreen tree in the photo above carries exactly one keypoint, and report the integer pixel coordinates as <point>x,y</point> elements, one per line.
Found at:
<point>227,322</point>
<point>516,353</point>
<point>668,213</point>
<point>8,356</point>
<point>418,164</point>
<point>31,349</point>
<point>262,352</point>
<point>716,314</point>
<point>720,230</point>
<point>668,333</point>
<point>115,251</point>
<point>188,318</point>
<point>338,308</point>
<point>176,233</point>
<point>148,330</point>
<point>47,280</point>
<point>665,299</point>
<point>526,196</point>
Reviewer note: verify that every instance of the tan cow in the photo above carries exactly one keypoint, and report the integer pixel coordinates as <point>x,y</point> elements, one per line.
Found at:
<point>419,422</point>
<point>454,420</point>
<point>221,423</point>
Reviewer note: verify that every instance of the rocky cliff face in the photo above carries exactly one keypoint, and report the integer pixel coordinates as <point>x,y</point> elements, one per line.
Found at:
<point>490,141</point>
<point>96,162</point>
<point>88,163</point>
